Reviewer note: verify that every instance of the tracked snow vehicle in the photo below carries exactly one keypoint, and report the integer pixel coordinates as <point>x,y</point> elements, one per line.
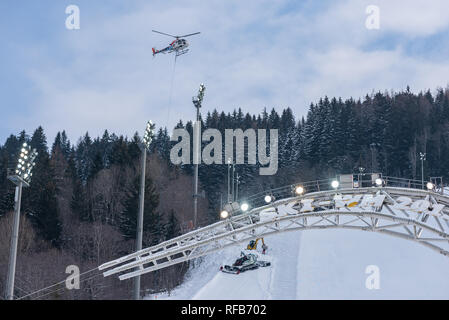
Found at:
<point>247,261</point>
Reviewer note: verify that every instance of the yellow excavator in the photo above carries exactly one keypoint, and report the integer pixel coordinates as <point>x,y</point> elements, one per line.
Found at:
<point>252,245</point>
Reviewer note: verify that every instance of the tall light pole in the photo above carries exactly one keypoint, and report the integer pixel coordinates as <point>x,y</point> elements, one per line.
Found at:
<point>422,157</point>
<point>144,147</point>
<point>197,134</point>
<point>21,178</point>
<point>233,182</point>
<point>229,181</point>
<point>373,148</point>
<point>361,173</point>
<point>237,180</point>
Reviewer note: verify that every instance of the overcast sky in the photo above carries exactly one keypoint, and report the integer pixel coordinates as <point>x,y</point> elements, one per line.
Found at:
<point>250,54</point>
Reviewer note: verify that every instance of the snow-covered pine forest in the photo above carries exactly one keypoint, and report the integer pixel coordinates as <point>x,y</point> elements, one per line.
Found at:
<point>81,206</point>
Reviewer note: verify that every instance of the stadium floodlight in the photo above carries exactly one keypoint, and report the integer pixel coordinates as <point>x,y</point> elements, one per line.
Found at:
<point>429,186</point>
<point>422,157</point>
<point>21,177</point>
<point>199,98</point>
<point>25,164</point>
<point>197,101</point>
<point>268,198</point>
<point>379,182</point>
<point>244,207</point>
<point>224,214</point>
<point>299,190</point>
<point>335,184</point>
<point>147,139</point>
<point>149,134</point>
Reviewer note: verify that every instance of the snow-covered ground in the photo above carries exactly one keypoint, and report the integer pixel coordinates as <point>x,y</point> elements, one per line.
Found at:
<point>206,281</point>
<point>322,264</point>
<point>333,264</point>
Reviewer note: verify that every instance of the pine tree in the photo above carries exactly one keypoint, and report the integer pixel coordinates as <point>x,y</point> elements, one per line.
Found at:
<point>128,218</point>
<point>79,202</point>
<point>6,188</point>
<point>172,226</point>
<point>65,144</point>
<point>57,143</point>
<point>287,130</point>
<point>39,141</point>
<point>40,200</point>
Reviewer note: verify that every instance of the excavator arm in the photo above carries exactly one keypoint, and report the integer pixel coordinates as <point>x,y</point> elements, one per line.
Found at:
<point>252,245</point>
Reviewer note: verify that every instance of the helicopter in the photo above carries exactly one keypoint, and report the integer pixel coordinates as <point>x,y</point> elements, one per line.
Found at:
<point>179,45</point>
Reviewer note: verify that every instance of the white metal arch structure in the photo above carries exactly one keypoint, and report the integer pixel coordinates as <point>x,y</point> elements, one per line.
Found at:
<point>416,215</point>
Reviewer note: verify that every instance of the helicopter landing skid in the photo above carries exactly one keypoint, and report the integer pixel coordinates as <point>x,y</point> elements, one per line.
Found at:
<point>181,52</point>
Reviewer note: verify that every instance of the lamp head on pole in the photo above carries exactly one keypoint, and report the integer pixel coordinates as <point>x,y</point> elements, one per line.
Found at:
<point>199,98</point>
<point>422,156</point>
<point>26,162</point>
<point>149,134</point>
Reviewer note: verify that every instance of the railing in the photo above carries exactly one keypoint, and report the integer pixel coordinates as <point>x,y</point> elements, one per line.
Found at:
<point>362,181</point>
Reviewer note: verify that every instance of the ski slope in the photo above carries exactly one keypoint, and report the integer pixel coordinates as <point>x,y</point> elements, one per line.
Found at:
<point>205,281</point>
<point>322,264</point>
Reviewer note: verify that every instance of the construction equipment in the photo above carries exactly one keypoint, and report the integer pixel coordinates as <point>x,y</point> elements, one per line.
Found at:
<point>252,245</point>
<point>247,261</point>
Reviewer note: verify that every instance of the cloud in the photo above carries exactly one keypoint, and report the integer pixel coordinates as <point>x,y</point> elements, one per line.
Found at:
<point>249,54</point>
<point>415,18</point>
<point>346,72</point>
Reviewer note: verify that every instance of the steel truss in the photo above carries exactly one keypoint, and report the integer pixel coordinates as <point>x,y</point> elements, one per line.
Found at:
<point>411,214</point>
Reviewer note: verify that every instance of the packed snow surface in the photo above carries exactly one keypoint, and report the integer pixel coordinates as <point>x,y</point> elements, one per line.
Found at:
<point>322,264</point>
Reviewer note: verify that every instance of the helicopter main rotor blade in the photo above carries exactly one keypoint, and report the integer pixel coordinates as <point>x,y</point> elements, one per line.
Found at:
<point>166,34</point>
<point>188,35</point>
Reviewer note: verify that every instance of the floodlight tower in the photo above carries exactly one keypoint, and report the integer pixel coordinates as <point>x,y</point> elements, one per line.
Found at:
<point>361,173</point>
<point>373,149</point>
<point>229,180</point>
<point>237,181</point>
<point>233,182</point>
<point>21,178</point>
<point>144,147</point>
<point>422,157</point>
<point>197,134</point>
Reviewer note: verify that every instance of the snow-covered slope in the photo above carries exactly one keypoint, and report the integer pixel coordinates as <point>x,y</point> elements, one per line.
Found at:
<point>333,264</point>
<point>205,280</point>
<point>323,264</point>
